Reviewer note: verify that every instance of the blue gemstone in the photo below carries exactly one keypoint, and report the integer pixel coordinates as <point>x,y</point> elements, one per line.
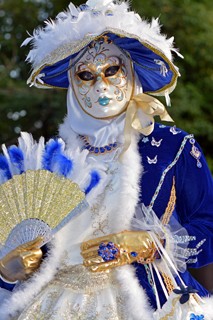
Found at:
<point>108,148</point>
<point>102,246</point>
<point>114,145</point>
<point>91,149</point>
<point>199,164</point>
<point>96,150</point>
<point>102,150</point>
<point>110,245</point>
<point>134,254</point>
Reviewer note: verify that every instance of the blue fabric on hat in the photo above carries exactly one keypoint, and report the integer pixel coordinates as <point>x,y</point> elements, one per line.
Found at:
<point>148,71</point>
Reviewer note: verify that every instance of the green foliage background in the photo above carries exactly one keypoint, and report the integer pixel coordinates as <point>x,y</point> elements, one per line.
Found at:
<point>40,111</point>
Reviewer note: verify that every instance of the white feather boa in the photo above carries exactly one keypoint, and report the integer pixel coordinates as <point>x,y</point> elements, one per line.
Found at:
<point>121,204</point>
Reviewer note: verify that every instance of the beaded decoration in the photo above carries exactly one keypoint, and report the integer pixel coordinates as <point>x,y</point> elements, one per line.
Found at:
<point>168,282</point>
<point>195,153</point>
<point>149,276</point>
<point>169,168</point>
<point>98,150</point>
<point>108,251</point>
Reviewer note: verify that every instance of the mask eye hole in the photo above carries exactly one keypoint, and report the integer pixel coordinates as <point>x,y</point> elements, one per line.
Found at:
<point>86,76</point>
<point>111,71</point>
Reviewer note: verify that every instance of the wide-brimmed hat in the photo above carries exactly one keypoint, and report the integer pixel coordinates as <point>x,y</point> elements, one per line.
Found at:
<point>72,31</point>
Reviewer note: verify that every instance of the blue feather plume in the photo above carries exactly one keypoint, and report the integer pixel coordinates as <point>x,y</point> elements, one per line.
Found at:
<point>62,165</point>
<point>52,150</point>
<point>17,158</point>
<point>54,160</point>
<point>95,178</point>
<point>4,166</point>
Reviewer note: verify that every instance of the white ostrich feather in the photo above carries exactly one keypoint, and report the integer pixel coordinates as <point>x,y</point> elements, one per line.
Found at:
<point>101,16</point>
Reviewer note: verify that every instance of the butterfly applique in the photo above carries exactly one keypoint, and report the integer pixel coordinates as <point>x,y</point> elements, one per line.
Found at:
<point>155,143</point>
<point>152,161</point>
<point>174,130</point>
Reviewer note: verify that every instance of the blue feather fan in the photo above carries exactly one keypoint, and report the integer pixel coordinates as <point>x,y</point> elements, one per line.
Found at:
<point>16,158</point>
<point>52,150</point>
<point>4,166</point>
<point>54,160</point>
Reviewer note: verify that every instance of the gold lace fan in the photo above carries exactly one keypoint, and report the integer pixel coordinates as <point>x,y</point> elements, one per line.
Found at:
<point>35,203</point>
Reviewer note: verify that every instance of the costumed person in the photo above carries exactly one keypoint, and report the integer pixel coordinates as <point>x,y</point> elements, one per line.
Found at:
<point>150,192</point>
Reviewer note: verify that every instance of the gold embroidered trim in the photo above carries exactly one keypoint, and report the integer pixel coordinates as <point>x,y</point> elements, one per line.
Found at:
<point>166,317</point>
<point>165,220</point>
<point>171,205</point>
<point>168,282</point>
<point>79,279</point>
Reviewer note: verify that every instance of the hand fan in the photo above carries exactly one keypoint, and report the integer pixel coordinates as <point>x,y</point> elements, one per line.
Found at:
<point>41,189</point>
<point>36,203</point>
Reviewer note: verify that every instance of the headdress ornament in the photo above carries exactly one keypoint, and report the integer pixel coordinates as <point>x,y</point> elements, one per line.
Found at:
<point>72,31</point>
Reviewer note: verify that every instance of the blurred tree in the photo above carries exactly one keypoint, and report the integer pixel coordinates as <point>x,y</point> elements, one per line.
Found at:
<point>40,111</point>
<point>190,21</point>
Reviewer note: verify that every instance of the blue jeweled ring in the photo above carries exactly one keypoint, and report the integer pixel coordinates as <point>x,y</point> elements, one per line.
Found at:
<point>108,251</point>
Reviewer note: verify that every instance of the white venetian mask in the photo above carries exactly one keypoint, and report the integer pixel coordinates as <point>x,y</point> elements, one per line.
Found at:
<point>102,80</point>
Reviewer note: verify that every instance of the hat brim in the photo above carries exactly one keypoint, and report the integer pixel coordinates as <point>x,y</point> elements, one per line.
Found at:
<point>156,72</point>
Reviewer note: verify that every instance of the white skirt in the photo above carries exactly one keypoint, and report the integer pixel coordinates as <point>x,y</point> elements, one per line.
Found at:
<point>76,293</point>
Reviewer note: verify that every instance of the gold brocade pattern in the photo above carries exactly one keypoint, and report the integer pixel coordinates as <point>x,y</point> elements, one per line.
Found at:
<point>99,215</point>
<point>79,279</point>
<point>70,312</point>
<point>77,294</point>
<point>171,314</point>
<point>99,218</point>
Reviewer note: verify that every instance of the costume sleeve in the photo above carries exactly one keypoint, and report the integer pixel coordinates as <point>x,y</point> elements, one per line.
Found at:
<point>194,187</point>
<point>7,286</point>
